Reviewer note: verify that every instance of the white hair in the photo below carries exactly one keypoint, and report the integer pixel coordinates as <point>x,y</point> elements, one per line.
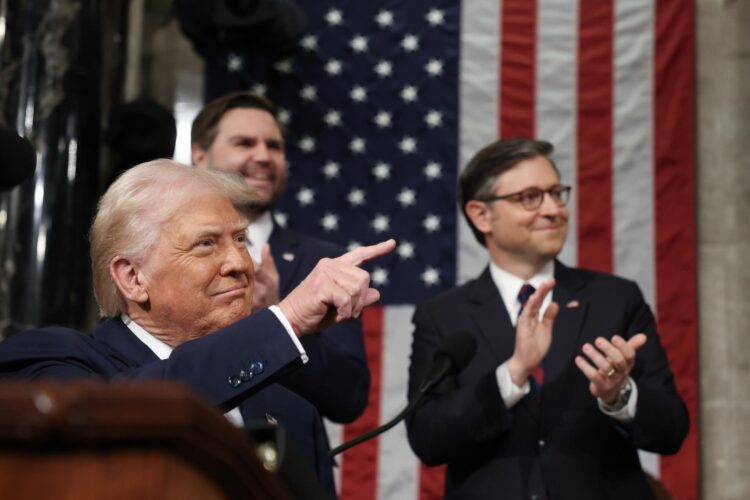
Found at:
<point>135,208</point>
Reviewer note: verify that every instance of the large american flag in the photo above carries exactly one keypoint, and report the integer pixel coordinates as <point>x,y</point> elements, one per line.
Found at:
<point>387,100</point>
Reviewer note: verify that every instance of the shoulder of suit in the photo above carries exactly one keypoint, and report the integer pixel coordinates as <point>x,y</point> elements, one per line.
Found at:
<point>313,244</point>
<point>53,334</point>
<point>46,340</point>
<point>450,297</point>
<point>598,279</point>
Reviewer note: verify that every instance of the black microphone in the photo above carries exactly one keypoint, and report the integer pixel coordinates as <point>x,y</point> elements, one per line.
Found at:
<point>19,158</point>
<point>453,354</point>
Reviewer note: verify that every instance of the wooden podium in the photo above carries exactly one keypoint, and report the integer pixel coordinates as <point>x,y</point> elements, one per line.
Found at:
<point>128,440</point>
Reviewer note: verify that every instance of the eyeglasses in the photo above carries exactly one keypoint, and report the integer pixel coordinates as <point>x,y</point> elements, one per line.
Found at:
<point>532,198</point>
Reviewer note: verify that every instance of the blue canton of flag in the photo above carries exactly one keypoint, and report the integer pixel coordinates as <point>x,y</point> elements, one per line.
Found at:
<point>370,106</point>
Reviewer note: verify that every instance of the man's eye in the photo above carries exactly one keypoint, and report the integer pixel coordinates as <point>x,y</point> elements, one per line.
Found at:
<point>530,196</point>
<point>204,243</point>
<point>240,237</point>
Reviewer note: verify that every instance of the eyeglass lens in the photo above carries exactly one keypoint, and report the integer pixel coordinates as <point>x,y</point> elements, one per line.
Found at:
<point>533,198</point>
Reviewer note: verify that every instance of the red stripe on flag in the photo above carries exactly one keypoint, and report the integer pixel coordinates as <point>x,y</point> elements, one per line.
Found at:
<point>518,68</point>
<point>359,469</point>
<point>594,126</point>
<point>674,137</point>
<point>431,482</point>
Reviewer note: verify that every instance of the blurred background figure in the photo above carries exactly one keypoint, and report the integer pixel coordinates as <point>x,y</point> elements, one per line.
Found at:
<point>139,131</point>
<point>19,159</point>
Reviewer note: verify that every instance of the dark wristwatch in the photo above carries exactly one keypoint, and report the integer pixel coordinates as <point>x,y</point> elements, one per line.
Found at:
<point>622,398</point>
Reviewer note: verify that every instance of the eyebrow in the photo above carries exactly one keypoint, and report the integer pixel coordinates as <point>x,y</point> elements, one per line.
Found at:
<point>244,137</point>
<point>539,187</point>
<point>211,230</point>
<point>240,226</point>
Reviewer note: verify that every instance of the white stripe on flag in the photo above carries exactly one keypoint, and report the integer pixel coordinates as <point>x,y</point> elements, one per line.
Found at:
<point>398,473</point>
<point>633,162</point>
<point>335,434</point>
<point>556,70</point>
<point>478,107</point>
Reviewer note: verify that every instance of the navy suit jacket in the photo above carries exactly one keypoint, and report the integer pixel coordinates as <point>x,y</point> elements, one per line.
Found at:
<point>235,366</point>
<point>556,444</point>
<point>336,379</point>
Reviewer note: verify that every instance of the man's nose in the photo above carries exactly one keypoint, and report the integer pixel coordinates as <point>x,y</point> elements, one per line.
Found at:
<point>261,153</point>
<point>549,206</point>
<point>236,260</point>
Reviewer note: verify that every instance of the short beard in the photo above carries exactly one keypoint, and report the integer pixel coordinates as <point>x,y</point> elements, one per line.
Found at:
<point>257,206</point>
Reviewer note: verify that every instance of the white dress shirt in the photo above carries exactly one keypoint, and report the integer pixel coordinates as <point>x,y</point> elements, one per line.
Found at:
<point>258,234</point>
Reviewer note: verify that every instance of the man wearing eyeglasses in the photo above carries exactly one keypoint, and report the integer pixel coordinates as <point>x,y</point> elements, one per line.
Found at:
<point>569,378</point>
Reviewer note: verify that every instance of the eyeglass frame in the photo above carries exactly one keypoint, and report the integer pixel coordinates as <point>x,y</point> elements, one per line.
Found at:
<point>517,196</point>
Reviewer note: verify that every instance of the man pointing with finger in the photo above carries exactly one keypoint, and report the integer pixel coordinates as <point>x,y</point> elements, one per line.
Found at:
<point>175,282</point>
<point>572,379</point>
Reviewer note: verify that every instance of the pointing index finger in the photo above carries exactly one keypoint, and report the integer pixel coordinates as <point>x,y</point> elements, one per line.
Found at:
<point>360,255</point>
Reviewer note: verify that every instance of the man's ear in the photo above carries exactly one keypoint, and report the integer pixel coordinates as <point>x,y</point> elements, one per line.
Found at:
<point>199,156</point>
<point>128,279</point>
<point>479,214</point>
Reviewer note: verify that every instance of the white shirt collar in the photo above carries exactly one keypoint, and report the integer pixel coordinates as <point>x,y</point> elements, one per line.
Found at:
<point>258,234</point>
<point>509,285</point>
<point>158,347</point>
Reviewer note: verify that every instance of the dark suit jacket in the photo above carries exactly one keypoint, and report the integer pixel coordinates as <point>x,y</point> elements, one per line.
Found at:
<point>336,379</point>
<point>212,366</point>
<point>558,444</point>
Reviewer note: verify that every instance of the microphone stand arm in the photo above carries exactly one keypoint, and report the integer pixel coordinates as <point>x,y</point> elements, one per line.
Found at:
<point>379,430</point>
<point>442,370</point>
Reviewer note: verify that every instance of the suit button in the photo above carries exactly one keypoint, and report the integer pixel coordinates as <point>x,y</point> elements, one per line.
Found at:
<point>256,367</point>
<point>234,381</point>
<point>245,375</point>
<point>537,497</point>
<point>542,443</point>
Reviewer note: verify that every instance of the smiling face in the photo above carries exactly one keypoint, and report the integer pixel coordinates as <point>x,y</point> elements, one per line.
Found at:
<point>199,277</point>
<point>520,240</point>
<point>249,142</point>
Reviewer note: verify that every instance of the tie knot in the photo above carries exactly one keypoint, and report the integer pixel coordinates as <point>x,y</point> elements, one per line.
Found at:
<point>524,294</point>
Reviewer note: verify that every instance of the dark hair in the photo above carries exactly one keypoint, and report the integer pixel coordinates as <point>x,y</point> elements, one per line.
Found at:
<point>206,124</point>
<point>478,177</point>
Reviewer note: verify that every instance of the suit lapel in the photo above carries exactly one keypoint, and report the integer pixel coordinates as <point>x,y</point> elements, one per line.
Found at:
<point>491,317</point>
<point>566,331</point>
<point>286,255</point>
<point>496,330</point>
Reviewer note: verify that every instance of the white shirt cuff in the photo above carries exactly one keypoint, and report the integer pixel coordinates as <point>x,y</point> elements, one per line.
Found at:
<point>285,323</point>
<point>235,417</point>
<point>627,412</point>
<point>510,392</point>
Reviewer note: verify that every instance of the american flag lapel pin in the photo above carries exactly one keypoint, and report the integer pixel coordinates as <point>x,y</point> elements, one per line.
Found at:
<point>572,304</point>
<point>288,256</point>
